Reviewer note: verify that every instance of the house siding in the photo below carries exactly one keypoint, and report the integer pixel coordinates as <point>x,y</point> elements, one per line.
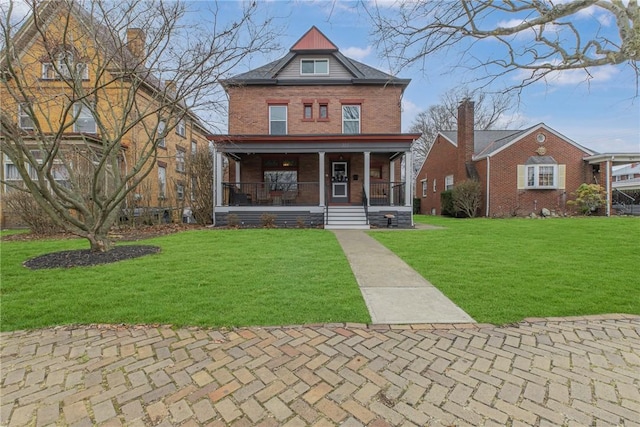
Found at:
<point>442,161</point>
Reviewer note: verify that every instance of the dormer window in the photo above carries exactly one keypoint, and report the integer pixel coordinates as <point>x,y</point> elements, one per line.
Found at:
<point>314,67</point>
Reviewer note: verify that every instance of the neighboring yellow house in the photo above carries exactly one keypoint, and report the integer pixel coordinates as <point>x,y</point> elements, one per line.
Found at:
<point>64,61</point>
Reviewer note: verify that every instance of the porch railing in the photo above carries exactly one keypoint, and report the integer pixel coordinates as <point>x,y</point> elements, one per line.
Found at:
<point>270,194</point>
<point>387,193</point>
<point>365,204</point>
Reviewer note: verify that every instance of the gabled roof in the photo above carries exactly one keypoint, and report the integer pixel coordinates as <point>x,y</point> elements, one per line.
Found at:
<point>490,142</point>
<point>314,41</point>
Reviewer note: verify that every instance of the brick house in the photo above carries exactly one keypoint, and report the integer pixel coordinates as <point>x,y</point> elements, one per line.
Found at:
<point>81,41</point>
<point>520,171</point>
<point>315,137</point>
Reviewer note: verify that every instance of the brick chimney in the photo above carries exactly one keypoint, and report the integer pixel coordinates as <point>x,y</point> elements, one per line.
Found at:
<point>135,43</point>
<point>466,143</point>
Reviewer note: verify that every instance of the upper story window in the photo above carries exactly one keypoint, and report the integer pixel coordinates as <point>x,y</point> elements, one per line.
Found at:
<point>162,180</point>
<point>448,182</point>
<point>25,121</point>
<point>194,148</point>
<point>423,184</point>
<point>307,112</point>
<point>323,111</point>
<point>66,66</point>
<point>181,128</point>
<point>542,176</point>
<point>350,119</point>
<point>162,126</point>
<point>314,67</point>
<point>277,119</point>
<point>180,160</point>
<point>84,120</point>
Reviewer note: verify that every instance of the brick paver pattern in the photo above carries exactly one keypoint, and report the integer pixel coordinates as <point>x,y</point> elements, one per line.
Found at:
<point>547,372</point>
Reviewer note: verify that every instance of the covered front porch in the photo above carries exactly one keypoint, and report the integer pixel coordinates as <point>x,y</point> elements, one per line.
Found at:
<point>339,181</point>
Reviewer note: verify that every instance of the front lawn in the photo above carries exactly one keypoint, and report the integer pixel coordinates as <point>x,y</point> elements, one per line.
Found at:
<point>501,271</point>
<point>204,278</point>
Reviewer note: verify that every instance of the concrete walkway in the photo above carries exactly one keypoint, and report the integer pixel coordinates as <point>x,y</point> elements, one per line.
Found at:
<point>394,292</point>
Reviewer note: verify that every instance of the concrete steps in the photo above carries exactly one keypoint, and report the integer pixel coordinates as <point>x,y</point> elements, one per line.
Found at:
<point>346,218</point>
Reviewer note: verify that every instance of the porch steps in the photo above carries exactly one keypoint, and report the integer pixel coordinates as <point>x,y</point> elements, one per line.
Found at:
<point>346,218</point>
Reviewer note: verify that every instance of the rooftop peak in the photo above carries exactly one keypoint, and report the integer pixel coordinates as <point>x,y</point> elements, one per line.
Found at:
<point>314,40</point>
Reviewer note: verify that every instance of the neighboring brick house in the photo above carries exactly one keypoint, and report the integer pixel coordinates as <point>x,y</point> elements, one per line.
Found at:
<point>81,42</point>
<point>315,138</point>
<point>520,171</point>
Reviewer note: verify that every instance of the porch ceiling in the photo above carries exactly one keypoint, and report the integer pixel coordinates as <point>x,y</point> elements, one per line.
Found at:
<point>378,143</point>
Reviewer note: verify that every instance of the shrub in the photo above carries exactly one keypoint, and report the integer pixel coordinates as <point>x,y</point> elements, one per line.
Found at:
<point>233,221</point>
<point>268,220</point>
<point>446,201</point>
<point>589,197</point>
<point>467,198</point>
<point>300,223</point>
<point>22,204</point>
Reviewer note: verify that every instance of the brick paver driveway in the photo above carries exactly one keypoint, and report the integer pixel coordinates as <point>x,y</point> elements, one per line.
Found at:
<point>578,371</point>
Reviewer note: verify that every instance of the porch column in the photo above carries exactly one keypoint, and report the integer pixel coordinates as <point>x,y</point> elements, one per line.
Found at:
<point>367,175</point>
<point>392,175</point>
<point>608,193</point>
<point>408,178</point>
<point>237,173</point>
<point>321,178</point>
<point>218,179</point>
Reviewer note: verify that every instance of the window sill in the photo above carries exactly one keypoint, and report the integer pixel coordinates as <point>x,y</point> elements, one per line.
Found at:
<point>323,120</point>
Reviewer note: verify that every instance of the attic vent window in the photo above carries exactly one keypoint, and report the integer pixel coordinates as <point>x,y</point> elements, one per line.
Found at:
<point>313,67</point>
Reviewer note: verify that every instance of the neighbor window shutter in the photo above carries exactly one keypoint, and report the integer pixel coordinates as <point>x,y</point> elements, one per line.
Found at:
<point>521,177</point>
<point>562,177</point>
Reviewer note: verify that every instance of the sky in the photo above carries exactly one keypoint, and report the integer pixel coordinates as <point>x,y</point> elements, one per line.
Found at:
<point>602,114</point>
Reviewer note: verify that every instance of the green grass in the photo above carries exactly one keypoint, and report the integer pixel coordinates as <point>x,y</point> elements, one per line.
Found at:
<point>501,271</point>
<point>203,278</point>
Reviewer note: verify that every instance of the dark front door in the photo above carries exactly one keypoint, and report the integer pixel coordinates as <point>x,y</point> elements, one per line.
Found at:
<point>339,182</point>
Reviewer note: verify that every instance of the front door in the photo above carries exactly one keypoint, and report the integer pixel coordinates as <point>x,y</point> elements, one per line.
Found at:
<point>339,182</point>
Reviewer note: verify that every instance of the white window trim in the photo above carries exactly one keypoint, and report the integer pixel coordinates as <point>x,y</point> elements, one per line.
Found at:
<point>435,184</point>
<point>423,182</point>
<point>315,61</point>
<point>180,191</point>
<point>162,134</point>
<point>448,182</point>
<point>77,113</point>
<point>181,128</point>
<point>22,115</point>
<point>536,177</point>
<point>286,118</point>
<point>180,161</point>
<point>162,182</point>
<point>49,72</point>
<point>350,120</point>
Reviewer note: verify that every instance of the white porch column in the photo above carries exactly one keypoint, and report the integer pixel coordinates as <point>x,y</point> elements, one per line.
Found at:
<point>321,178</point>
<point>608,193</point>
<point>408,178</point>
<point>392,175</point>
<point>237,173</point>
<point>367,175</point>
<point>218,179</point>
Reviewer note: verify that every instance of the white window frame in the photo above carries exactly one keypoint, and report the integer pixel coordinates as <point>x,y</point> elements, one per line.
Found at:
<point>16,177</point>
<point>448,182</point>
<point>180,161</point>
<point>49,72</point>
<point>181,128</point>
<point>358,120</point>
<point>435,184</point>
<point>315,62</point>
<point>532,176</point>
<point>161,131</point>
<point>82,112</point>
<point>194,148</point>
<point>180,191</point>
<point>162,182</point>
<point>423,182</point>
<point>271,120</point>
<point>24,121</point>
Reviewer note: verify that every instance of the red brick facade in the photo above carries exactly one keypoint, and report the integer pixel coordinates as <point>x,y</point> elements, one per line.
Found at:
<point>498,171</point>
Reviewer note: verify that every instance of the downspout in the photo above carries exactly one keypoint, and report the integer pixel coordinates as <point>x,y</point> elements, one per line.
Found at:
<point>212,150</point>
<point>488,181</point>
<point>608,210</point>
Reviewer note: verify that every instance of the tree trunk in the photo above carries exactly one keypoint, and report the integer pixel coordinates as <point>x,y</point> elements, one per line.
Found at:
<point>99,243</point>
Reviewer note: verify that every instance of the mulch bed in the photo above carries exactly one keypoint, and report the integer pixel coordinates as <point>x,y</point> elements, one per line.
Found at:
<point>86,257</point>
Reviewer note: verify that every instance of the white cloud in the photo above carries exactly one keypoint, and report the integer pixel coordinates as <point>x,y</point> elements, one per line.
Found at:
<point>356,53</point>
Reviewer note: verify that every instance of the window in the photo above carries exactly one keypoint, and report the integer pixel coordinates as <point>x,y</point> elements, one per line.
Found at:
<point>14,179</point>
<point>448,182</point>
<point>25,121</point>
<point>180,160</point>
<point>277,119</point>
<point>66,68</point>
<point>541,176</point>
<point>434,185</point>
<point>280,174</point>
<point>162,181</point>
<point>181,128</point>
<point>424,187</point>
<point>161,133</point>
<point>194,148</point>
<point>11,175</point>
<point>324,112</point>
<point>314,67</point>
<point>307,112</point>
<point>350,119</point>
<point>84,120</point>
<point>180,191</point>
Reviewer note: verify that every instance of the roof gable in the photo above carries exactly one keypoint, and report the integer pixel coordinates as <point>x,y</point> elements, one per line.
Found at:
<point>314,40</point>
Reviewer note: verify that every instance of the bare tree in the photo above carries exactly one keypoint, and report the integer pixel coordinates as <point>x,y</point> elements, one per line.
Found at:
<point>537,37</point>
<point>490,113</point>
<point>84,110</point>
